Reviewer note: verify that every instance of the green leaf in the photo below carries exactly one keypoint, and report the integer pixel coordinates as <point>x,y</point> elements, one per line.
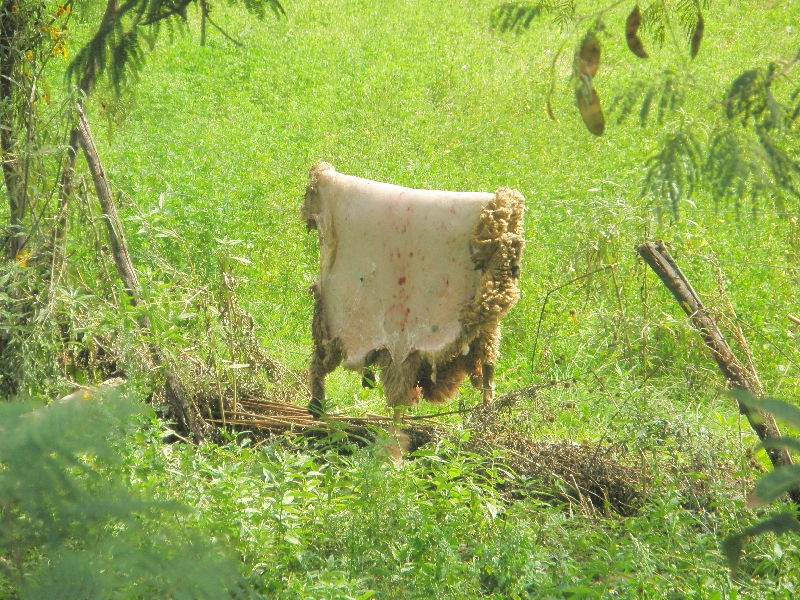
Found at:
<point>789,443</point>
<point>777,482</point>
<point>732,546</point>
<point>780,409</point>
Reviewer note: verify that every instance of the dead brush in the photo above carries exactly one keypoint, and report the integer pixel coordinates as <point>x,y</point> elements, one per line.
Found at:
<point>227,373</point>
<point>594,478</point>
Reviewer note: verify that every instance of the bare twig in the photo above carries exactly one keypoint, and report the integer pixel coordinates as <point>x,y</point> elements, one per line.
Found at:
<point>116,235</point>
<point>223,32</point>
<point>554,290</point>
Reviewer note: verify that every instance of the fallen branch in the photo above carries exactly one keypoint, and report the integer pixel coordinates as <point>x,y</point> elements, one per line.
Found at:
<point>116,235</point>
<point>660,260</point>
<point>184,411</point>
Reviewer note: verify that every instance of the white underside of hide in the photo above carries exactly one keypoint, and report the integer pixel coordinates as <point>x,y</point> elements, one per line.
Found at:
<point>395,264</point>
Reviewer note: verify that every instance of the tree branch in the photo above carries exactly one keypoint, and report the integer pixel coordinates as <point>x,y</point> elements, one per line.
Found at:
<point>222,31</point>
<point>155,19</point>
<point>188,416</point>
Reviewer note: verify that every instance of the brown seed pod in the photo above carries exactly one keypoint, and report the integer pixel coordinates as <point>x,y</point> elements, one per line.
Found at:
<point>589,106</point>
<point>589,55</point>
<point>697,36</point>
<point>631,33</point>
<point>550,112</point>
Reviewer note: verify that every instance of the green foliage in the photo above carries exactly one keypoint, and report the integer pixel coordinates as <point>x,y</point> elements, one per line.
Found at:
<point>755,160</point>
<point>317,523</point>
<point>733,546</point>
<point>733,168</point>
<point>70,528</point>
<point>118,47</point>
<point>666,93</point>
<point>517,17</point>
<point>771,486</point>
<point>675,171</point>
<point>381,90</point>
<point>658,16</point>
<point>750,156</point>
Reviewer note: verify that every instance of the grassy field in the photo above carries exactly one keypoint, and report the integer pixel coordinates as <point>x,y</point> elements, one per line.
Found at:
<point>213,145</point>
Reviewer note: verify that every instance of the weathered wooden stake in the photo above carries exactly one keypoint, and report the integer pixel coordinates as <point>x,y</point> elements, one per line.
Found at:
<point>659,259</point>
<point>187,415</point>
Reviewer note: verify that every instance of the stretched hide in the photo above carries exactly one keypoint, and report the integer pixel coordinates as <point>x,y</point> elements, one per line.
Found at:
<point>414,282</point>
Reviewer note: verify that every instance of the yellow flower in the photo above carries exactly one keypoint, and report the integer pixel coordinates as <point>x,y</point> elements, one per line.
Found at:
<point>30,56</point>
<point>22,258</point>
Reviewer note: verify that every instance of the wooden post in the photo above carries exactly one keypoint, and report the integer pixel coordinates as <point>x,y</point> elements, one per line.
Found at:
<point>116,235</point>
<point>187,415</point>
<point>659,259</point>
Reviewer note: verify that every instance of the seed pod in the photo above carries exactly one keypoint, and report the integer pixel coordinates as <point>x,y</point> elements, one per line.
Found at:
<point>589,55</point>
<point>550,112</point>
<point>631,33</point>
<point>589,105</point>
<point>697,36</point>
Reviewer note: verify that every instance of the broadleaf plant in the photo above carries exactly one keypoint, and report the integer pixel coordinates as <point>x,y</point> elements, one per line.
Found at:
<point>771,486</point>
<point>70,527</point>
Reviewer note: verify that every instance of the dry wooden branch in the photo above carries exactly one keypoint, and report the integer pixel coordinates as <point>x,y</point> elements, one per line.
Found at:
<point>660,260</point>
<point>187,415</point>
<point>265,418</point>
<point>116,235</point>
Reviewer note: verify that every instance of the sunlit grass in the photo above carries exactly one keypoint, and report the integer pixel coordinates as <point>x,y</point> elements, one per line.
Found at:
<point>219,140</point>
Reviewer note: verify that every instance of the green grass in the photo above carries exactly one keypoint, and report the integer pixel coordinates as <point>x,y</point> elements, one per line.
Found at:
<point>217,142</point>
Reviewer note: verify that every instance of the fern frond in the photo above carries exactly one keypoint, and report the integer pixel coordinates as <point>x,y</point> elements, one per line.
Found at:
<point>516,17</point>
<point>793,114</point>
<point>667,91</point>
<point>676,170</point>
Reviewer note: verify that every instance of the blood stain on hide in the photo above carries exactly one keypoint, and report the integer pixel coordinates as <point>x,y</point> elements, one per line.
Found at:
<point>401,281</point>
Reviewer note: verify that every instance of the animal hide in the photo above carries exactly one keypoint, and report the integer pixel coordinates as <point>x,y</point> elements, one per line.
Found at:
<point>414,282</point>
